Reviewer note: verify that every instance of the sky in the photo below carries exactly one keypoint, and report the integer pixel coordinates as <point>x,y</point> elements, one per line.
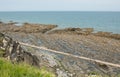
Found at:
<point>59,5</point>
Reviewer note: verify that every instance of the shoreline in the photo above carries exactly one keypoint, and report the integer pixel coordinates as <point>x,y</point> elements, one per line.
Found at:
<point>53,29</point>
<point>106,22</point>
<point>60,26</point>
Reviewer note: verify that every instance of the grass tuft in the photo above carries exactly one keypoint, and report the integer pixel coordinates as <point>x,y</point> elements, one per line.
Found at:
<point>7,69</point>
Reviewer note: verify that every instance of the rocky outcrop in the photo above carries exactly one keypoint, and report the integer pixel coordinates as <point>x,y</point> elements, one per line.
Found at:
<point>51,29</point>
<point>90,46</point>
<point>78,31</point>
<point>15,53</point>
<point>85,31</point>
<point>76,41</point>
<point>108,35</point>
<point>26,27</point>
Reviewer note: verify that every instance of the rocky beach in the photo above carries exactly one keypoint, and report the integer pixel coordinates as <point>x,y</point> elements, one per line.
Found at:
<point>103,46</point>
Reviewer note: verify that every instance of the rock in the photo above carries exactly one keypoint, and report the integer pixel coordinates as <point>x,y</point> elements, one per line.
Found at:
<point>74,41</point>
<point>60,73</point>
<point>26,27</point>
<point>15,53</point>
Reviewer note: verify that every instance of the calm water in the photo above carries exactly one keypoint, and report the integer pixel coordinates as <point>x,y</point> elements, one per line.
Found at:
<point>101,21</point>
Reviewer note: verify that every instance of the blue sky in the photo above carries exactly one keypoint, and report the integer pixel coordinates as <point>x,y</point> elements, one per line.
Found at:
<point>59,5</point>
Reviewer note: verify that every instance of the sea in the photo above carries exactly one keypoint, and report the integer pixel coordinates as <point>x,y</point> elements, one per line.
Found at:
<point>100,21</point>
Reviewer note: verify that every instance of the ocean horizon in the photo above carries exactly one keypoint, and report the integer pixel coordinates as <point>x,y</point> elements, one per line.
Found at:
<point>100,21</point>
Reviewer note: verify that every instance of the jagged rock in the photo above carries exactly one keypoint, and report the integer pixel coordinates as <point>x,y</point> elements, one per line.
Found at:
<point>15,53</point>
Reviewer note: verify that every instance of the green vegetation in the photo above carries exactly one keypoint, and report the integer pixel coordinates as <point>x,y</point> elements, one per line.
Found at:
<point>7,69</point>
<point>1,52</point>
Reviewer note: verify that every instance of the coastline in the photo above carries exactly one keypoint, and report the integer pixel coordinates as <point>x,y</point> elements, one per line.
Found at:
<point>102,46</point>
<point>100,21</point>
<point>52,29</point>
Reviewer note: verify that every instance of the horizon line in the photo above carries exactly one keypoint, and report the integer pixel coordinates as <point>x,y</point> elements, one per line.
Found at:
<point>57,11</point>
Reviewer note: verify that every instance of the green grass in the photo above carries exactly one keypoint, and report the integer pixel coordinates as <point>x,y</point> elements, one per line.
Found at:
<point>1,52</point>
<point>7,69</point>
